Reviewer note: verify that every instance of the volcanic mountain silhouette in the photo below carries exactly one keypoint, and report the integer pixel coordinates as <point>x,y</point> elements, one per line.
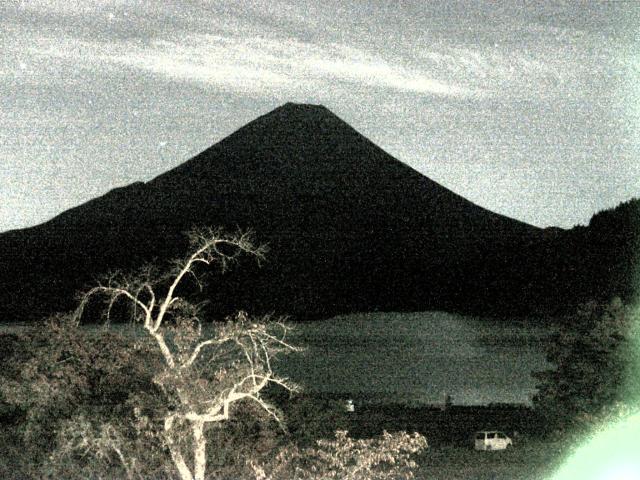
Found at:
<point>349,228</point>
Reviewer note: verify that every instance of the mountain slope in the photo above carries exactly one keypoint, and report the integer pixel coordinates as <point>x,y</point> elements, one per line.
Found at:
<point>350,228</point>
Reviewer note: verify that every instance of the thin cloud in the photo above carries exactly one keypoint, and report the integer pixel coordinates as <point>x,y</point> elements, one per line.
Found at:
<point>248,54</point>
<point>254,65</point>
<point>71,9</point>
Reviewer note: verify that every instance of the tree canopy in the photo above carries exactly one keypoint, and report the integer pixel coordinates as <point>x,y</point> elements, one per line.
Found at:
<point>592,354</point>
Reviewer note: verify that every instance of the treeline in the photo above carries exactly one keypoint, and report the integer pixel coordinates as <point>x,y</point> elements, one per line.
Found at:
<point>566,268</point>
<point>595,368</point>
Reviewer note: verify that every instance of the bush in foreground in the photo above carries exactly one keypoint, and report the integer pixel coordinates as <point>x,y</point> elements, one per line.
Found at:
<point>180,377</point>
<point>384,458</point>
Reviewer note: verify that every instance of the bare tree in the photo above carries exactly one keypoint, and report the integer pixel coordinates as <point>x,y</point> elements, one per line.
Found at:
<point>205,369</point>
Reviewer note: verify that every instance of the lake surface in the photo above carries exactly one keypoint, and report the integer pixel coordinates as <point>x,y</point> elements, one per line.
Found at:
<point>414,357</point>
<point>419,357</point>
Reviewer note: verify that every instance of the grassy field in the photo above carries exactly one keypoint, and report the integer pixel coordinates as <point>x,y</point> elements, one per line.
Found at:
<point>451,455</point>
<point>449,434</point>
<point>531,459</point>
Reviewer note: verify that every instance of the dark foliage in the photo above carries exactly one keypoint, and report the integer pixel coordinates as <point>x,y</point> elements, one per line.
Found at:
<point>590,355</point>
<point>62,376</point>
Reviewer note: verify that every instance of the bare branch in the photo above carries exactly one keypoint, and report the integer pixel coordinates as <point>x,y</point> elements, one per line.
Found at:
<point>199,347</point>
<point>238,360</point>
<point>113,293</point>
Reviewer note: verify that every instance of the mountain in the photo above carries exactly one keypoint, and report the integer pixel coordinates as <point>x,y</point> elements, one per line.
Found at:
<point>349,228</point>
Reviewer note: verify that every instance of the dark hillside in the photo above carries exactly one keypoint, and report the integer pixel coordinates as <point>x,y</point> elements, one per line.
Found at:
<point>349,227</point>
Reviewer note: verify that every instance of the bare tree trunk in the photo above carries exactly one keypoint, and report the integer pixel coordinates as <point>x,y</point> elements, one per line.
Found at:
<point>178,461</point>
<point>199,450</point>
<point>176,456</point>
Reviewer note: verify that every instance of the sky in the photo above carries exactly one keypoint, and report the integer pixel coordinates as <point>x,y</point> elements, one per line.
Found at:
<point>528,109</point>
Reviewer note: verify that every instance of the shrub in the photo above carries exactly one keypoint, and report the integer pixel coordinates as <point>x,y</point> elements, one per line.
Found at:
<point>384,458</point>
<point>144,406</point>
<point>591,355</point>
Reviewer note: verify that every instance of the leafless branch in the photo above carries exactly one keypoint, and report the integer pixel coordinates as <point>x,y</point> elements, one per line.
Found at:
<point>242,348</point>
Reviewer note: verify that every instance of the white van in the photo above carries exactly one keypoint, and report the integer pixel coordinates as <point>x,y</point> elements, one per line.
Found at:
<point>492,440</point>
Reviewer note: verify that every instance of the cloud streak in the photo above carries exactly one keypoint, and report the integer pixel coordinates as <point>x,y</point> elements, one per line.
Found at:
<point>222,46</point>
<point>240,48</point>
<point>255,65</point>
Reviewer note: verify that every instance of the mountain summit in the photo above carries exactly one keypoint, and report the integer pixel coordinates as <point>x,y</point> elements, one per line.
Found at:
<point>349,227</point>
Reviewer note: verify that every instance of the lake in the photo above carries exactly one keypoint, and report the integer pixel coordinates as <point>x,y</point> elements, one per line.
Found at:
<point>415,357</point>
<point>419,357</point>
